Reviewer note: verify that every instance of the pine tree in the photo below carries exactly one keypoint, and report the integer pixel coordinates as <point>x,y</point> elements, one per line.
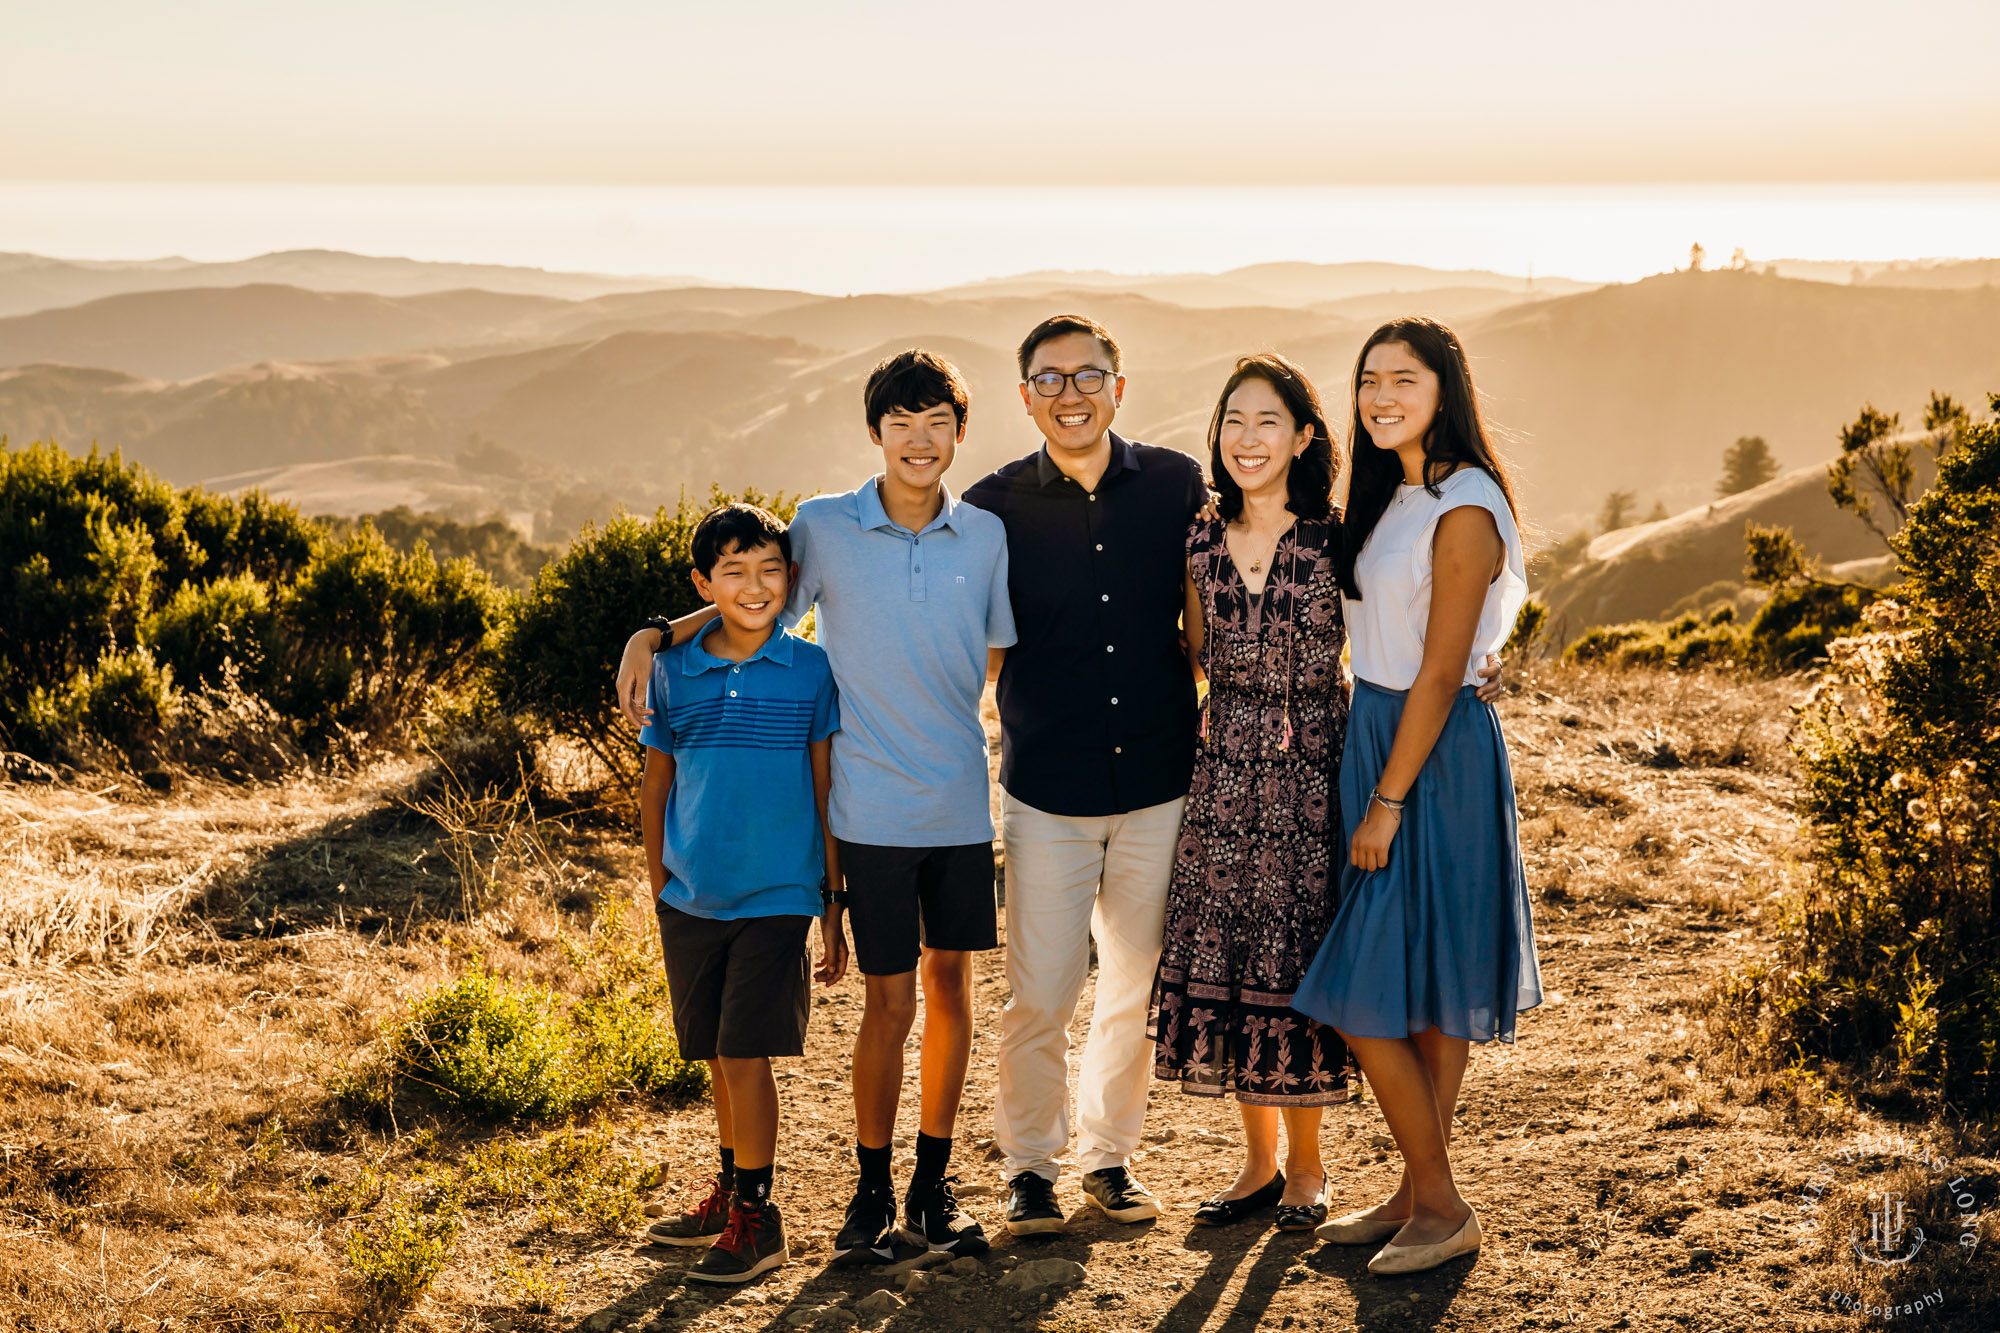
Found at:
<point>1745,464</point>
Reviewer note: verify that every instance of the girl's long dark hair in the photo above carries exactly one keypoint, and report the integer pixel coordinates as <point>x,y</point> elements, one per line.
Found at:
<point>1309,484</point>
<point>1457,437</point>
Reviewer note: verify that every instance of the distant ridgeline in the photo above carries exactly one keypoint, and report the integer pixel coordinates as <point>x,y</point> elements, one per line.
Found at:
<point>160,627</point>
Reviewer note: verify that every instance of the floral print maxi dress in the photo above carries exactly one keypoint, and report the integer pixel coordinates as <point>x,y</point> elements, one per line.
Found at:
<point>1255,869</point>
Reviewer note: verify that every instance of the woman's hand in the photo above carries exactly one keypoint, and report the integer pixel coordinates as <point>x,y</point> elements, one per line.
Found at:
<point>1489,680</point>
<point>1370,848</point>
<point>635,672</point>
<point>1211,509</point>
<point>832,946</point>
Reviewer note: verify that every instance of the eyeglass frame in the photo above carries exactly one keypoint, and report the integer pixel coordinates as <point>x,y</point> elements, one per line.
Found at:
<point>1069,378</point>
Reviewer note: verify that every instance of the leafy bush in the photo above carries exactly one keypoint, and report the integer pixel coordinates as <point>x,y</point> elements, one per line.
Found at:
<point>558,657</point>
<point>506,557</point>
<point>370,635</point>
<point>204,627</point>
<point>569,1175</point>
<point>398,1255</point>
<point>1891,960</point>
<point>512,1051</point>
<point>114,586</point>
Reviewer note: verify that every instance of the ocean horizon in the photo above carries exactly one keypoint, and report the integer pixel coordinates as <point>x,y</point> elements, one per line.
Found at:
<point>848,239</point>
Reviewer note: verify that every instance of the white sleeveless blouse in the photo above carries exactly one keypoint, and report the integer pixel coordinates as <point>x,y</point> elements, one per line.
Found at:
<point>1385,629</point>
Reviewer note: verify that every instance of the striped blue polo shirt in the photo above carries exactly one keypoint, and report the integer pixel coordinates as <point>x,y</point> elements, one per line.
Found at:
<point>742,829</point>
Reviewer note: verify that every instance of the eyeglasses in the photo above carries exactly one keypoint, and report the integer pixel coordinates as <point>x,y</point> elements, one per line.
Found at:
<point>1049,384</point>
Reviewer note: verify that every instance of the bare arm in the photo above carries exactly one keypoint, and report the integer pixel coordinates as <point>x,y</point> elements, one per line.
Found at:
<point>1465,553</point>
<point>1194,631</point>
<point>635,664</point>
<point>654,785</point>
<point>995,659</point>
<point>832,937</point>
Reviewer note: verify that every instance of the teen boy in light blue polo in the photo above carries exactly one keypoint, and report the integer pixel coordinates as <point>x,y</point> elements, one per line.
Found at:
<point>911,587</point>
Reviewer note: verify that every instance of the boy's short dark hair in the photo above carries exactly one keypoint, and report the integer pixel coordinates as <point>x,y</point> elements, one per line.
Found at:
<point>736,528</point>
<point>914,381</point>
<point>1059,326</point>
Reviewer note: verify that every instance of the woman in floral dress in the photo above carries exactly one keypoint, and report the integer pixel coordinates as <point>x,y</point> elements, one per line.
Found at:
<point>1255,870</point>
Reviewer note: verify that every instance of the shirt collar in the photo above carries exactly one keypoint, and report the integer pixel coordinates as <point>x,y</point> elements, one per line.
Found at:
<point>777,648</point>
<point>868,509</point>
<point>1123,458</point>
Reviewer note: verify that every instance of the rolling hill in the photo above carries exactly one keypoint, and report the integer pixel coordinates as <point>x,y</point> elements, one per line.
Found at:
<point>36,282</point>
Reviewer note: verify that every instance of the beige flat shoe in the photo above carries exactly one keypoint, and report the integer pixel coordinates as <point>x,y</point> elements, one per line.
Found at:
<point>1359,1229</point>
<point>1417,1258</point>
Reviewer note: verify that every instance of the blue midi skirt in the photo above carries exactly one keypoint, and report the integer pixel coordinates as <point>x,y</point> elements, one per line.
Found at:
<point>1442,936</point>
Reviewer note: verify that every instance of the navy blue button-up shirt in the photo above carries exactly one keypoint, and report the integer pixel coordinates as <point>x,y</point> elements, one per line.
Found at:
<point>1097,704</point>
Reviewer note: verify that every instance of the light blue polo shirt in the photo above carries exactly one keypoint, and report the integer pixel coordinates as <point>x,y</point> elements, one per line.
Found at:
<point>742,829</point>
<point>906,619</point>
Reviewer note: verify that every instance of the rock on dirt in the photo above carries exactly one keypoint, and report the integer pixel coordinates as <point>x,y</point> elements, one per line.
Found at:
<point>878,1304</point>
<point>1041,1274</point>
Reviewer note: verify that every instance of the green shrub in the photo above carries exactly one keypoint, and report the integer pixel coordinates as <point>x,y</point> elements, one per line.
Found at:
<point>569,1175</point>
<point>1530,627</point>
<point>511,1051</point>
<point>559,655</point>
<point>398,1255</point>
<point>204,627</point>
<point>1889,958</point>
<point>368,636</point>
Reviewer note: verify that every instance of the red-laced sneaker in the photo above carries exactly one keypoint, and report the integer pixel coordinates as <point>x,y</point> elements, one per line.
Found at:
<point>752,1243</point>
<point>700,1225</point>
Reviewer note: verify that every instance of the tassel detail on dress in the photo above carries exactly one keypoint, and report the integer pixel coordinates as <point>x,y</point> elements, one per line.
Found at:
<point>1286,742</point>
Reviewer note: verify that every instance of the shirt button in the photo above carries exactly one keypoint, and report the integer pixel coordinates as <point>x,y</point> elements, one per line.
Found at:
<point>1118,749</point>
<point>1105,597</point>
<point>1108,648</point>
<point>1114,698</point>
<point>1100,546</point>
<point>1093,497</point>
<point>732,694</point>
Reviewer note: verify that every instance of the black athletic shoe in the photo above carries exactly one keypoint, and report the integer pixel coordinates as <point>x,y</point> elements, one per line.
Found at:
<point>1122,1198</point>
<point>699,1225</point>
<point>868,1236</point>
<point>1031,1206</point>
<point>752,1243</point>
<point>933,1219</point>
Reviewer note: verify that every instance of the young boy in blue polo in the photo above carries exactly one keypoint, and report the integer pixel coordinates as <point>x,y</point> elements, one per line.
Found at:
<point>734,810</point>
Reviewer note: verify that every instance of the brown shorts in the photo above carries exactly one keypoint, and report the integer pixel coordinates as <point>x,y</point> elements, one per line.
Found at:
<point>740,988</point>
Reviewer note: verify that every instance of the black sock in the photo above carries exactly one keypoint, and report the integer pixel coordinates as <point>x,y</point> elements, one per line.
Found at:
<point>753,1186</point>
<point>727,1176</point>
<point>933,1155</point>
<point>874,1165</point>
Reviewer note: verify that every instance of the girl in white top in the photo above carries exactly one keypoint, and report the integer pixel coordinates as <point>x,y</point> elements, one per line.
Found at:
<point>1433,947</point>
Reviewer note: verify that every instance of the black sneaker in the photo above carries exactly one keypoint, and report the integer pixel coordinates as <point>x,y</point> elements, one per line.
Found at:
<point>700,1225</point>
<point>752,1243</point>
<point>1031,1206</point>
<point>868,1236</point>
<point>1122,1198</point>
<point>933,1219</point>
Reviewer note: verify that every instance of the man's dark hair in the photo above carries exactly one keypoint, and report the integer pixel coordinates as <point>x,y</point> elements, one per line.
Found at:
<point>1060,326</point>
<point>735,528</point>
<point>914,381</point>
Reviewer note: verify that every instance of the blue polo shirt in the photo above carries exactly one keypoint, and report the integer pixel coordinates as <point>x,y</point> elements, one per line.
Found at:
<point>742,828</point>
<point>906,619</point>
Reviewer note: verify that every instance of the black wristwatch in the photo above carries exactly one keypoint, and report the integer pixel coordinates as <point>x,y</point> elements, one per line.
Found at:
<point>666,629</point>
<point>832,897</point>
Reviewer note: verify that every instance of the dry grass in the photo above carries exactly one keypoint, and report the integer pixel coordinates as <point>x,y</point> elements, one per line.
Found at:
<point>172,1156</point>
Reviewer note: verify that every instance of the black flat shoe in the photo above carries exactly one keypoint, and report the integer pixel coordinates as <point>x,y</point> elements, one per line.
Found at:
<point>1218,1212</point>
<point>1303,1216</point>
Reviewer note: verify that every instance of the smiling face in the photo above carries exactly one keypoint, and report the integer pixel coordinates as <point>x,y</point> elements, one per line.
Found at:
<point>1073,420</point>
<point>917,447</point>
<point>1397,397</point>
<point>1258,439</point>
<point>748,587</point>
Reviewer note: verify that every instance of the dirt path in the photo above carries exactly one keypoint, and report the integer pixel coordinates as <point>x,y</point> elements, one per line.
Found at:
<point>1618,1188</point>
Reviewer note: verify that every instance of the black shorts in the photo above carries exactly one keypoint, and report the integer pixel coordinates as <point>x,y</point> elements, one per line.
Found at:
<point>739,988</point>
<point>903,898</point>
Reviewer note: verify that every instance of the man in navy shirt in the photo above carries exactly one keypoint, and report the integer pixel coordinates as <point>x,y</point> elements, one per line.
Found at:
<point>1098,728</point>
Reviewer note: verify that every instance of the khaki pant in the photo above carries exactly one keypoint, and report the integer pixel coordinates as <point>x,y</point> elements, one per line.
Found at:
<point>1067,881</point>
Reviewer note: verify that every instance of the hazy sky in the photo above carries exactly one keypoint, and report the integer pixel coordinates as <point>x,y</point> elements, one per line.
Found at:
<point>1085,92</point>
